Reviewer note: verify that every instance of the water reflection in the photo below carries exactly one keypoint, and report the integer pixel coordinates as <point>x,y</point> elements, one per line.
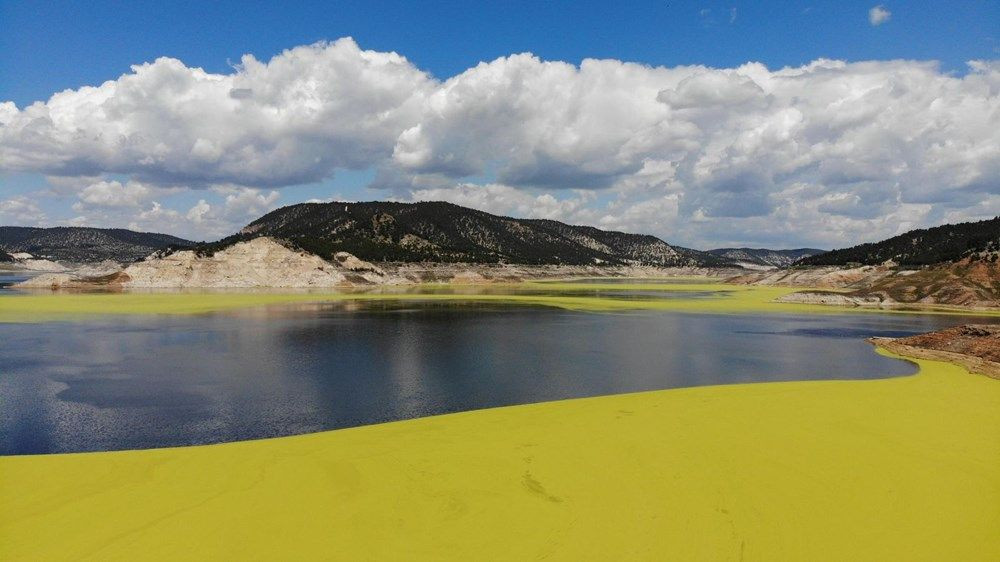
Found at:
<point>139,382</point>
<point>10,278</point>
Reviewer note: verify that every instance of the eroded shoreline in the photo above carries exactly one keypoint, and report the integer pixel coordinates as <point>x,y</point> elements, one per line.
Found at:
<point>975,347</point>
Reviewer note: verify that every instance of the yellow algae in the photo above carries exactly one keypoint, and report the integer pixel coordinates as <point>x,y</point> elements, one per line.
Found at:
<point>894,469</point>
<point>726,299</point>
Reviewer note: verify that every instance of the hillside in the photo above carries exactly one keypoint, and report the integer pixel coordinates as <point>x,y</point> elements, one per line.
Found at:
<point>763,257</point>
<point>947,243</point>
<point>965,283</point>
<point>82,245</point>
<point>444,232</point>
<point>5,257</point>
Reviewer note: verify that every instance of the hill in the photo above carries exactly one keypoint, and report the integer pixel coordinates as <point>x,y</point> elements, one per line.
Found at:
<point>82,244</point>
<point>946,243</point>
<point>444,232</point>
<point>763,257</point>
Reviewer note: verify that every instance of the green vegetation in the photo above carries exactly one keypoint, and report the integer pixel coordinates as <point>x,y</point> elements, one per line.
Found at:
<point>945,243</point>
<point>444,232</point>
<point>765,257</point>
<point>84,244</point>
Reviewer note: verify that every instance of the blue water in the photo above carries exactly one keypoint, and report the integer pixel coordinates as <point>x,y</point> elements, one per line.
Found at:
<point>8,278</point>
<point>155,381</point>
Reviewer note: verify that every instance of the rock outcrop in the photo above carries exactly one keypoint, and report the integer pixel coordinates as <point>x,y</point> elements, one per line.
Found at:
<point>970,283</point>
<point>269,263</point>
<point>262,262</point>
<point>837,299</point>
<point>23,261</point>
<point>40,265</point>
<point>974,346</point>
<point>817,277</point>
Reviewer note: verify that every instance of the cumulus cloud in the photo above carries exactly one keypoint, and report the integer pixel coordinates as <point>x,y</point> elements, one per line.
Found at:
<point>198,213</point>
<point>293,119</point>
<point>509,201</point>
<point>828,152</point>
<point>224,210</point>
<point>878,15</point>
<point>733,138</point>
<point>21,210</point>
<point>245,203</point>
<point>543,124</point>
<point>116,194</point>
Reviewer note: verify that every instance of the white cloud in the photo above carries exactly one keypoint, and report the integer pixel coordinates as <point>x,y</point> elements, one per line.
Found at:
<point>729,140</point>
<point>826,152</point>
<point>116,194</point>
<point>245,204</point>
<point>293,119</point>
<point>21,210</point>
<point>878,15</point>
<point>543,124</point>
<point>509,201</point>
<point>223,210</point>
<point>197,213</point>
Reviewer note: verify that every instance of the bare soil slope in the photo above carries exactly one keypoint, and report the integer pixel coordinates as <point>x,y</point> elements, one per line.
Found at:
<point>974,346</point>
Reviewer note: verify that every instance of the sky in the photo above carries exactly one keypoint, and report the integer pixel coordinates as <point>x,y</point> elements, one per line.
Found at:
<point>768,124</point>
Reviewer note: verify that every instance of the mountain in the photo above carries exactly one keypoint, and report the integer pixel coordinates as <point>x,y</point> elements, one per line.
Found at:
<point>444,232</point>
<point>762,257</point>
<point>947,243</point>
<point>81,244</point>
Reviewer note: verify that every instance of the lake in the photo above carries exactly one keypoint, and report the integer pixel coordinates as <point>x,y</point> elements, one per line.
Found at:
<point>133,382</point>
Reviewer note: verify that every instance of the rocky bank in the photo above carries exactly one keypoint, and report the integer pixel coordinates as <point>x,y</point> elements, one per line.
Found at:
<point>968,283</point>
<point>269,263</point>
<point>974,346</point>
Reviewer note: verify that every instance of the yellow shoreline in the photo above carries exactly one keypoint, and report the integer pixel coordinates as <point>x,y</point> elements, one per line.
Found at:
<point>894,469</point>
<point>735,299</point>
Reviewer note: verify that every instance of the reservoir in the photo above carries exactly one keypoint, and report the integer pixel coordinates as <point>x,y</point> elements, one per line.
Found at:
<point>143,381</point>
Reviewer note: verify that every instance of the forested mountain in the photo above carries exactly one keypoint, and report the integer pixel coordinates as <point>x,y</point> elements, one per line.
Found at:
<point>82,244</point>
<point>444,232</point>
<point>763,257</point>
<point>946,243</point>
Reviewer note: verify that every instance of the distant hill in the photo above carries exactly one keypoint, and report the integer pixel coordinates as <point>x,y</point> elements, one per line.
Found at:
<point>81,244</point>
<point>947,243</point>
<point>763,257</point>
<point>444,232</point>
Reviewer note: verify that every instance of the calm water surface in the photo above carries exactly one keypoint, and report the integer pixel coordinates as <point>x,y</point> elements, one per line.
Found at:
<point>8,278</point>
<point>140,382</point>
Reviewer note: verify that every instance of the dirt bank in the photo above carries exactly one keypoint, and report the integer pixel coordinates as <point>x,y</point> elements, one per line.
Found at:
<point>967,283</point>
<point>975,346</point>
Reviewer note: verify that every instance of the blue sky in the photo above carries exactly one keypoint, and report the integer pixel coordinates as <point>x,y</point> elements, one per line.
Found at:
<point>51,46</point>
<point>54,46</point>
